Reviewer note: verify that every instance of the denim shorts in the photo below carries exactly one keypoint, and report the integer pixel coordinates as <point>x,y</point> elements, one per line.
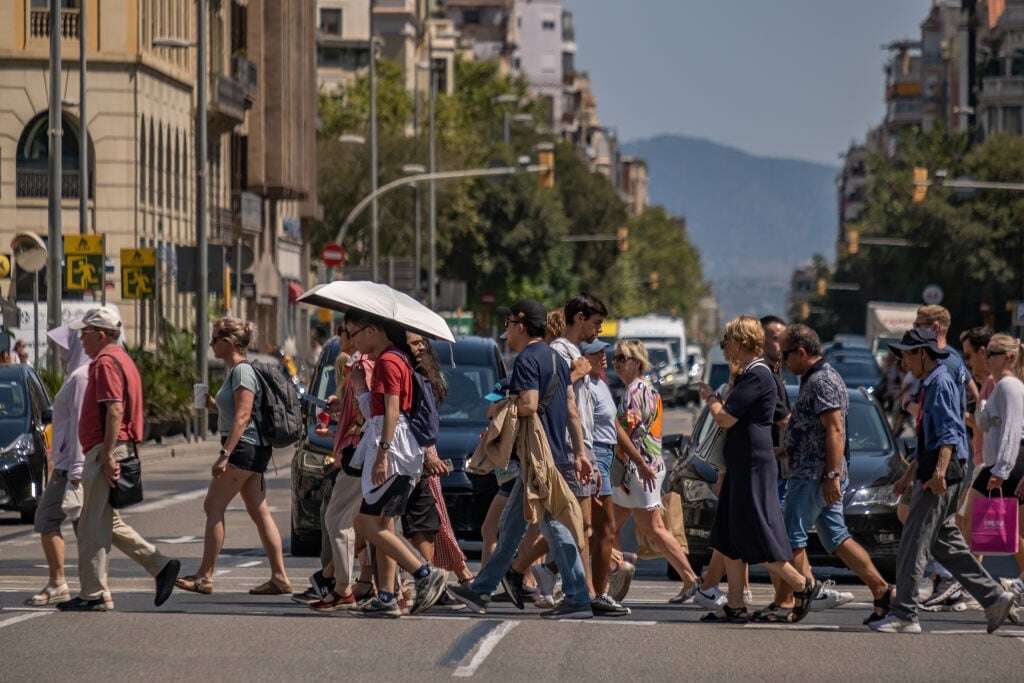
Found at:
<point>603,454</point>
<point>805,507</point>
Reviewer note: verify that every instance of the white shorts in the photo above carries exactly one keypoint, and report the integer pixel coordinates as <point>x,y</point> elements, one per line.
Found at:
<point>632,493</point>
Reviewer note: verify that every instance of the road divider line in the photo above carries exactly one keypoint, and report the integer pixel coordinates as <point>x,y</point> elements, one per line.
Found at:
<point>23,617</point>
<point>487,645</point>
<point>793,627</point>
<point>251,563</point>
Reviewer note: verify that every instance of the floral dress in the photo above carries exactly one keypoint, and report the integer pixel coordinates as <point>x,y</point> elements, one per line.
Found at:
<point>640,414</point>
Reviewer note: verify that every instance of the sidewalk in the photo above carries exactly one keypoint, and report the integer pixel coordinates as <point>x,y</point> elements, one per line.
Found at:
<point>179,447</point>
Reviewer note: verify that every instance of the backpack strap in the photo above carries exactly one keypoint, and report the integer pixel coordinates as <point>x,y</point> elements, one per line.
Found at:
<point>255,409</point>
<point>549,393</point>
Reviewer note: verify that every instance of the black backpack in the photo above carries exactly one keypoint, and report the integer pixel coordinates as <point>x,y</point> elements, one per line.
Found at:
<point>424,421</point>
<point>278,416</point>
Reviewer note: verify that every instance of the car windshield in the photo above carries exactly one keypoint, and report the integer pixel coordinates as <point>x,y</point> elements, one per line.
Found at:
<point>719,375</point>
<point>658,357</point>
<point>467,386</point>
<point>855,367</point>
<point>13,401</point>
<point>866,429</point>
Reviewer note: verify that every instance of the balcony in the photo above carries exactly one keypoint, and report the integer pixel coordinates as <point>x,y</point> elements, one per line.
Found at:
<point>39,24</point>
<point>1002,90</point>
<point>35,184</point>
<point>229,99</point>
<point>245,72</point>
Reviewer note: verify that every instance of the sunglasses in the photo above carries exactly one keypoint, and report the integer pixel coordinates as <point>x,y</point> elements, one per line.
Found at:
<point>353,335</point>
<point>993,354</point>
<point>620,358</point>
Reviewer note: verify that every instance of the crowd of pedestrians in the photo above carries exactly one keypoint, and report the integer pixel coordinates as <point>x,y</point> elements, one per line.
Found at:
<point>572,466</point>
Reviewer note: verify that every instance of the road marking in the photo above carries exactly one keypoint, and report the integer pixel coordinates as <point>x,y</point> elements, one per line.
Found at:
<point>179,540</point>
<point>1011,633</point>
<point>612,620</point>
<point>486,646</point>
<point>222,572</point>
<point>251,563</point>
<point>162,503</point>
<point>23,617</point>
<point>793,627</point>
<point>26,609</point>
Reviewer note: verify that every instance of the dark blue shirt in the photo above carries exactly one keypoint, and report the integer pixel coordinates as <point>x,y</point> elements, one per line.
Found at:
<point>958,371</point>
<point>533,369</point>
<point>942,414</point>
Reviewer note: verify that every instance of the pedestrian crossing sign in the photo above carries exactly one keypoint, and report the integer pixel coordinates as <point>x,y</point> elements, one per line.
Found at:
<point>138,273</point>
<point>83,262</point>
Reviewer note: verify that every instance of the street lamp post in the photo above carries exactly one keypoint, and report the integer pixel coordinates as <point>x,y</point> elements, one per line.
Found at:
<point>54,235</point>
<point>374,177</point>
<point>413,169</point>
<point>83,145</point>
<point>506,129</point>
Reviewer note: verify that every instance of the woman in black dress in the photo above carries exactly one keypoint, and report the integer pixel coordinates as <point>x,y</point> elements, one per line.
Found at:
<point>749,526</point>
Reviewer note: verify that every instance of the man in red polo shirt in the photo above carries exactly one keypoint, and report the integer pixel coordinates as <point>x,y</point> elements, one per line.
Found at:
<point>110,426</point>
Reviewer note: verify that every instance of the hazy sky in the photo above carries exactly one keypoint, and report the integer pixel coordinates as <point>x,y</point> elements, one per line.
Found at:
<point>792,78</point>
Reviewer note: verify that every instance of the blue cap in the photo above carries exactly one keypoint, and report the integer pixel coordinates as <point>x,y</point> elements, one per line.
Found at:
<point>596,346</point>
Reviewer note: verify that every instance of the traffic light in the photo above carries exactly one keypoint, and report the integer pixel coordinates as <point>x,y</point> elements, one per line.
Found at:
<point>546,158</point>
<point>920,184</point>
<point>822,286</point>
<point>652,281</point>
<point>852,241</point>
<point>622,234</point>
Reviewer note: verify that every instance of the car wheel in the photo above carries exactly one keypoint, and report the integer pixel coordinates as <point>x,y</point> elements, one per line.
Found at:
<point>304,546</point>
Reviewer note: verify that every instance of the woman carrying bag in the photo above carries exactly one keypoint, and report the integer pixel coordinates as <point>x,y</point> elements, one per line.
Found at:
<point>241,465</point>
<point>1001,418</point>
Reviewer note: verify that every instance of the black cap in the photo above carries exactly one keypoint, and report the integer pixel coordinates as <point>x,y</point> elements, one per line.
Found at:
<point>527,311</point>
<point>919,339</point>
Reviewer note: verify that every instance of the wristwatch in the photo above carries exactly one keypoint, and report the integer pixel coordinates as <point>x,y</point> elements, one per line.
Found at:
<point>383,446</point>
<point>833,474</point>
<point>224,453</point>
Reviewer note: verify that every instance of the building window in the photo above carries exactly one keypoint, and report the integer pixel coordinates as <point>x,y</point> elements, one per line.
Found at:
<point>45,4</point>
<point>330,21</point>
<point>1012,120</point>
<point>1017,63</point>
<point>441,75</point>
<point>142,160</point>
<point>471,16</point>
<point>32,159</point>
<point>548,24</point>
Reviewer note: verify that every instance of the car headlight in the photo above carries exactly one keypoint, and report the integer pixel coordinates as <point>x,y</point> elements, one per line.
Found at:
<point>875,495</point>
<point>668,378</point>
<point>18,450</point>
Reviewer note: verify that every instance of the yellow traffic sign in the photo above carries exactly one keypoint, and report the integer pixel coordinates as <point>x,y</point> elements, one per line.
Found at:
<point>138,273</point>
<point>83,244</point>
<point>5,266</point>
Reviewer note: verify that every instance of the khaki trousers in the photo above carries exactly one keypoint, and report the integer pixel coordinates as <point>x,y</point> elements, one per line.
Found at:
<point>100,525</point>
<point>339,518</point>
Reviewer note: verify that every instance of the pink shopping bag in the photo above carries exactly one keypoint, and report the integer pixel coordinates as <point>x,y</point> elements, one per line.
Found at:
<point>994,526</point>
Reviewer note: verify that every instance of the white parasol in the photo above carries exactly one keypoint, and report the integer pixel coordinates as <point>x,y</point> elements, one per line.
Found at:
<point>382,301</point>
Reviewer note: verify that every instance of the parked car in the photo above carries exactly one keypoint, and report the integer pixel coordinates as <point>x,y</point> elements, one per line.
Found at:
<point>716,371</point>
<point>876,462</point>
<point>24,414</point>
<point>694,373</point>
<point>472,367</point>
<point>858,369</point>
<point>667,373</point>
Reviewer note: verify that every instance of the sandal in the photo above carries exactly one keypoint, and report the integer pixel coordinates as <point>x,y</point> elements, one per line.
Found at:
<point>883,603</point>
<point>51,595</point>
<point>727,615</point>
<point>194,584</point>
<point>271,588</point>
<point>803,600</point>
<point>772,614</point>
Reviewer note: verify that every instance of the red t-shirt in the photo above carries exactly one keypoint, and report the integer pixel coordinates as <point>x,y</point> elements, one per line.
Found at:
<point>112,377</point>
<point>392,375</point>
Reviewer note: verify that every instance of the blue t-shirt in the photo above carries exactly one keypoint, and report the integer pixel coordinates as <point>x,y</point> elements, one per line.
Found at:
<point>533,369</point>
<point>958,371</point>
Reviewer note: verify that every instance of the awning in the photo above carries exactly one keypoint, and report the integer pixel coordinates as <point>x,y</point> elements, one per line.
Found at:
<point>295,290</point>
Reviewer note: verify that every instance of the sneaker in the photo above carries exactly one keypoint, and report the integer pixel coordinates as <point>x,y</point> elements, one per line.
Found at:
<point>377,608</point>
<point>546,581</point>
<point>512,582</point>
<point>997,613</point>
<point>748,597</point>
<point>944,588</point>
<point>604,606</point>
<point>685,595</point>
<point>547,601</point>
<point>619,581</point>
<point>80,604</point>
<point>712,599</point>
<point>429,589</point>
<point>446,600</point>
<point>468,597</point>
<point>893,624</point>
<point>334,603</point>
<point>165,581</point>
<point>308,596</point>
<point>567,611</point>
<point>1015,586</point>
<point>959,601</point>
<point>830,598</point>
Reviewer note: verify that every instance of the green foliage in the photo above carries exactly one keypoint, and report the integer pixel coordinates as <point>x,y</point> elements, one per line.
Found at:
<point>969,243</point>
<point>168,374</point>
<point>52,378</point>
<point>502,236</point>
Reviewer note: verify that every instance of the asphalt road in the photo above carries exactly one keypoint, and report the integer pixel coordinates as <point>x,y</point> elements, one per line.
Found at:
<point>231,635</point>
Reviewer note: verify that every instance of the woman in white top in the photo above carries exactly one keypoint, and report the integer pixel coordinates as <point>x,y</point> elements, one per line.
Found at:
<point>1002,419</point>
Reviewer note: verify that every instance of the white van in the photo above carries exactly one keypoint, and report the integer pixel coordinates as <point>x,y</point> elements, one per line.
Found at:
<point>660,328</point>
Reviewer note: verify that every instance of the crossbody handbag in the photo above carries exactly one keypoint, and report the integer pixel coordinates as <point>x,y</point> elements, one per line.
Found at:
<point>127,491</point>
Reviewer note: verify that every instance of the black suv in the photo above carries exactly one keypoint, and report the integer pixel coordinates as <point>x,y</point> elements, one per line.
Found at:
<point>471,366</point>
<point>24,413</point>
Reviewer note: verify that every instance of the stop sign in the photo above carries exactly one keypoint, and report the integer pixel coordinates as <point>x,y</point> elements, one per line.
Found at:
<point>333,254</point>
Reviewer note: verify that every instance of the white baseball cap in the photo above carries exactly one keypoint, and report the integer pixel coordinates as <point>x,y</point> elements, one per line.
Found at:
<point>102,317</point>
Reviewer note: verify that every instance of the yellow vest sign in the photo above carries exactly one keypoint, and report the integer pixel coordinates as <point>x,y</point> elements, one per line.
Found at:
<point>138,273</point>
<point>83,259</point>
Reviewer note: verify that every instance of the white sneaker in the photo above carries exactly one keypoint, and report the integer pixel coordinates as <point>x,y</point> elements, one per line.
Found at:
<point>711,599</point>
<point>1015,586</point>
<point>893,624</point>
<point>748,597</point>
<point>548,586</point>
<point>829,598</point>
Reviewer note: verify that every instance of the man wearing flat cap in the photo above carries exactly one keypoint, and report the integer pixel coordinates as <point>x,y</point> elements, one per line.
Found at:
<point>936,475</point>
